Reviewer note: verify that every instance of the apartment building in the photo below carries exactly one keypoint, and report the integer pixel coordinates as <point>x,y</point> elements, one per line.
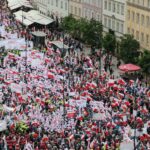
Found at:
<point>92,9</point>
<point>59,8</point>
<point>75,8</point>
<point>114,16</point>
<point>138,21</point>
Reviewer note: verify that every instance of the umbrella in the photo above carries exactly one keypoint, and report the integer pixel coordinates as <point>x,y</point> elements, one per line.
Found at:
<point>111,83</point>
<point>50,75</point>
<point>129,67</point>
<point>121,82</point>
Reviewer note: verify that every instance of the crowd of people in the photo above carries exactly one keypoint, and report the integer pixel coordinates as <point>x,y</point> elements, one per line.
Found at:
<point>50,102</point>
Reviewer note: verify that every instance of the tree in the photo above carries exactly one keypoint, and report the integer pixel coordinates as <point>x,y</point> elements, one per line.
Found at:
<point>89,32</point>
<point>144,62</point>
<point>92,33</point>
<point>109,42</point>
<point>129,49</point>
<point>69,24</point>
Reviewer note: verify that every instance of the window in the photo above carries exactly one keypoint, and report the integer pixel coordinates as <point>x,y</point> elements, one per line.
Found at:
<point>109,6</point>
<point>105,5</point>
<point>128,30</point>
<point>137,18</point>
<point>66,6</point>
<point>148,3</point>
<point>113,24</point>
<point>109,23</point>
<point>147,39</point>
<point>142,20</point>
<point>122,9</point>
<point>105,22</point>
<point>142,37</point>
<point>118,8</point>
<point>137,35</point>
<point>121,28</point>
<point>133,32</point>
<point>147,21</point>
<point>75,10</point>
<point>133,14</point>
<point>71,9</point>
<point>114,7</point>
<point>61,4</point>
<point>128,14</point>
<point>79,11</point>
<point>117,27</point>
<point>56,3</point>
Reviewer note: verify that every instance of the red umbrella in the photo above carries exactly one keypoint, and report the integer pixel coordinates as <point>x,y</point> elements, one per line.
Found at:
<point>129,67</point>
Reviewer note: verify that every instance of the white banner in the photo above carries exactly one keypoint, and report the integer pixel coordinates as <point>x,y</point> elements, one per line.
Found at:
<point>3,125</point>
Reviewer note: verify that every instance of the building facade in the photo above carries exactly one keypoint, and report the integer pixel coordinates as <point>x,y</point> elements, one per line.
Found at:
<point>138,21</point>
<point>59,8</point>
<point>114,16</point>
<point>40,5</point>
<point>92,9</point>
<point>75,8</point>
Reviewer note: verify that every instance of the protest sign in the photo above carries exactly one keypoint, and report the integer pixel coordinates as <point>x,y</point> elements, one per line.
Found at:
<point>3,125</point>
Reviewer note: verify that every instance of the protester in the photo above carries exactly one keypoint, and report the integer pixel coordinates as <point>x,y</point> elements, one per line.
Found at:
<point>53,102</point>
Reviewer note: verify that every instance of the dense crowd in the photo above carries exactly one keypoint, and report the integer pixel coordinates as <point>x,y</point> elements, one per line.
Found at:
<point>49,102</point>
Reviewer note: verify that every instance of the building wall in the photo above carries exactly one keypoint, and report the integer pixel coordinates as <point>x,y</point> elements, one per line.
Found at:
<point>40,5</point>
<point>75,8</point>
<point>58,8</point>
<point>114,16</point>
<point>138,21</point>
<point>92,9</point>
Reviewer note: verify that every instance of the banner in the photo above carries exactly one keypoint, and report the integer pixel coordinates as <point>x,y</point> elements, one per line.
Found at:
<point>3,125</point>
<point>98,116</point>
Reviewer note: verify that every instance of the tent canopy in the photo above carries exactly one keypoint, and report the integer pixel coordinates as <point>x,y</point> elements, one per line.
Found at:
<point>129,67</point>
<point>14,4</point>
<point>32,16</point>
<point>21,17</point>
<point>60,44</point>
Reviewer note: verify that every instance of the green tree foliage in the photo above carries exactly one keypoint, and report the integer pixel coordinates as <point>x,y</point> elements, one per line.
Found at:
<point>144,62</point>
<point>109,42</point>
<point>129,49</point>
<point>69,24</point>
<point>89,32</point>
<point>93,33</point>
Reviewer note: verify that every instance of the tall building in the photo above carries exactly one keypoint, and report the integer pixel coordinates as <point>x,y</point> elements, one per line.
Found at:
<point>40,5</point>
<point>138,21</point>
<point>75,8</point>
<point>59,8</point>
<point>92,9</point>
<point>114,16</point>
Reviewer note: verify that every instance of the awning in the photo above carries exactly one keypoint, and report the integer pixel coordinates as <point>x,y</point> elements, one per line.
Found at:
<point>129,67</point>
<point>33,16</point>
<point>60,44</point>
<point>39,33</point>
<point>39,18</point>
<point>21,17</point>
<point>14,4</point>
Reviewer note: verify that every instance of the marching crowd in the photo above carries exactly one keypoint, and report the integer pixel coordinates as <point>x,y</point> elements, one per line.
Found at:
<point>50,102</point>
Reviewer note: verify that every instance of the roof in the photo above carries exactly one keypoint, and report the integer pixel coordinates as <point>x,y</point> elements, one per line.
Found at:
<point>21,17</point>
<point>60,44</point>
<point>33,16</point>
<point>13,4</point>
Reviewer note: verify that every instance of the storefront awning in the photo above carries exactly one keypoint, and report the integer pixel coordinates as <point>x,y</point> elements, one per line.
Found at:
<point>33,16</point>
<point>14,4</point>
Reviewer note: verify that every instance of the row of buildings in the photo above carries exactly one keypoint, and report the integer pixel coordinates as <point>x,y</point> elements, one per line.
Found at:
<point>122,16</point>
